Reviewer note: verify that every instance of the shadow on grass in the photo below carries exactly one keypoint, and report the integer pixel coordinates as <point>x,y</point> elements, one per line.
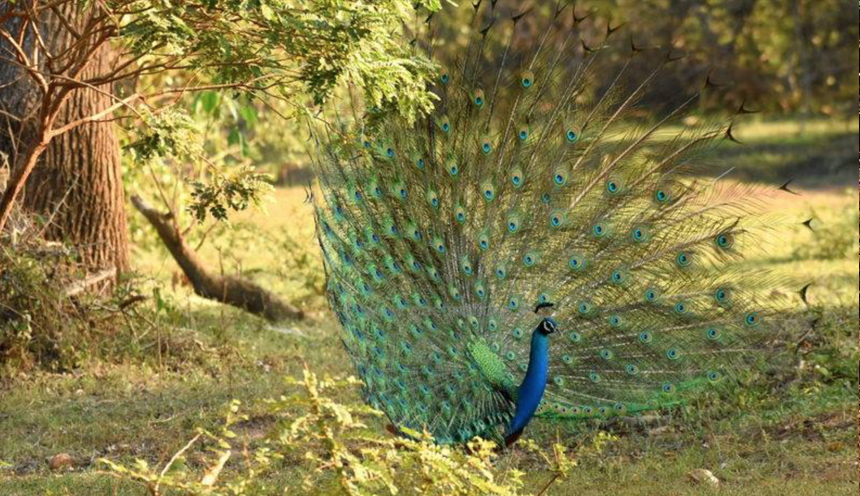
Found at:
<point>828,162</point>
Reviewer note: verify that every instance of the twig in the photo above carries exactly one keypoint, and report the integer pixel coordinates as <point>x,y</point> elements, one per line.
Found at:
<point>79,286</point>
<point>173,460</point>
<point>131,301</point>
<point>551,481</point>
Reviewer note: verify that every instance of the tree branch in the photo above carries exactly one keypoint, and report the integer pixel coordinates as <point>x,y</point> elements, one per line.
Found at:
<point>78,287</point>
<point>231,290</point>
<point>94,117</point>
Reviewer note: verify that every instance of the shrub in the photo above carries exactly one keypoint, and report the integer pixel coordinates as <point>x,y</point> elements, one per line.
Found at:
<point>46,325</point>
<point>36,322</point>
<point>331,444</point>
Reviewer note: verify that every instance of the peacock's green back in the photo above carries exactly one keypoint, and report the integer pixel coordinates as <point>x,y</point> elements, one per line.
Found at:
<point>531,183</point>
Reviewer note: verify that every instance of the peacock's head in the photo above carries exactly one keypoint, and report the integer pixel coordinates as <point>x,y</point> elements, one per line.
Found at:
<point>548,325</point>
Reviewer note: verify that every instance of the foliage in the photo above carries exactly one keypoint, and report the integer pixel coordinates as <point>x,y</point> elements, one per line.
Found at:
<point>330,438</point>
<point>266,46</point>
<point>780,55</point>
<point>33,318</point>
<point>296,53</point>
<point>266,55</point>
<point>45,323</point>
<point>234,192</point>
<point>39,325</point>
<point>176,475</point>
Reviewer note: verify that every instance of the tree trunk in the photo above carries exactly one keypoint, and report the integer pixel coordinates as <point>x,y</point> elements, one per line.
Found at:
<point>77,182</point>
<point>80,179</point>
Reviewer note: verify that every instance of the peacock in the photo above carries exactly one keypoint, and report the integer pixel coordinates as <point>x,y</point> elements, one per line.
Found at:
<point>536,247</point>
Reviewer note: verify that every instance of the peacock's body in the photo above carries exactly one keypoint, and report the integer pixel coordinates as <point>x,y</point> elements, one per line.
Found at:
<point>449,242</point>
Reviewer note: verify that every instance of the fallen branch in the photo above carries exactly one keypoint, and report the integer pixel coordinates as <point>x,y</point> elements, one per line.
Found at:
<point>78,287</point>
<point>231,290</point>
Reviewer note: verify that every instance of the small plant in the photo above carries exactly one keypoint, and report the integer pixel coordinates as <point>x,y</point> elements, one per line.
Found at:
<point>329,439</point>
<point>176,475</point>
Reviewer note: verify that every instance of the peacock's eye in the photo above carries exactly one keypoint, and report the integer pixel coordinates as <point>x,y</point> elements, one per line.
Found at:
<point>478,98</point>
<point>752,319</point>
<point>651,294</point>
<point>613,186</point>
<point>724,240</point>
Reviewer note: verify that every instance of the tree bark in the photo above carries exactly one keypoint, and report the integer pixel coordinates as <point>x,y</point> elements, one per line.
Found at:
<point>231,290</point>
<point>77,180</point>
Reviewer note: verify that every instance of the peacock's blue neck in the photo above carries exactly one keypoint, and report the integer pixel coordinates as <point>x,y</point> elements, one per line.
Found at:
<point>533,385</point>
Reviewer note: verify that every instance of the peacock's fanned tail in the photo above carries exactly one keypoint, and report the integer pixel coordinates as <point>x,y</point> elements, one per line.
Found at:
<point>530,184</point>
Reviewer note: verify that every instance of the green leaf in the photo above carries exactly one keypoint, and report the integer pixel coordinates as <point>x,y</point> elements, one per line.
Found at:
<point>235,137</point>
<point>267,12</point>
<point>209,100</point>
<point>249,114</point>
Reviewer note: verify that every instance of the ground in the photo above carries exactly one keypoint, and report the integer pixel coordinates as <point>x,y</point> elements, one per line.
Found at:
<point>795,433</point>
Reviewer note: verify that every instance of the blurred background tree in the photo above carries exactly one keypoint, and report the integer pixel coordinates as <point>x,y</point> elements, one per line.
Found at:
<point>202,97</point>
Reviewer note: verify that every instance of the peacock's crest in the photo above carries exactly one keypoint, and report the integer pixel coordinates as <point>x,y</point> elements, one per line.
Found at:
<point>531,185</point>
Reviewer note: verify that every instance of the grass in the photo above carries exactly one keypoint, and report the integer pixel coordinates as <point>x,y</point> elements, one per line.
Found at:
<point>784,435</point>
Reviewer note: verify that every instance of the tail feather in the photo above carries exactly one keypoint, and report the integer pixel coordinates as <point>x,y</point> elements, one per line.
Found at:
<point>535,182</point>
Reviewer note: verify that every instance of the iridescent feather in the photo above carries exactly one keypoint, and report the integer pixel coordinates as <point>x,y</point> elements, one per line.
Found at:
<point>528,186</point>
